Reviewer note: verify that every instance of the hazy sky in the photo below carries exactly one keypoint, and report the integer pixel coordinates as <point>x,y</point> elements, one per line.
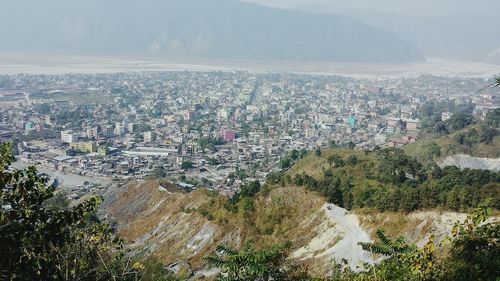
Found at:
<point>419,7</point>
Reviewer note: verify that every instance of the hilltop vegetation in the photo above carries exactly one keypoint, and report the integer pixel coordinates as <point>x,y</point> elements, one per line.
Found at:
<point>461,142</point>
<point>462,133</point>
<point>389,180</point>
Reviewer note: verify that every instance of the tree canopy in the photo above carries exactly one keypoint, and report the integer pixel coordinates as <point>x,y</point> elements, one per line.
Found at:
<point>41,240</point>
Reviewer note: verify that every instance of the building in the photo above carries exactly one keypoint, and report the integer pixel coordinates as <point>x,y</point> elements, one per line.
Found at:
<point>446,116</point>
<point>402,141</point>
<point>29,127</point>
<point>119,129</point>
<point>148,136</point>
<point>189,115</point>
<point>223,114</point>
<point>5,135</point>
<point>351,121</point>
<point>48,120</point>
<point>150,152</point>
<point>131,127</point>
<point>227,135</point>
<point>412,125</point>
<point>69,136</point>
<point>87,147</point>
<point>92,133</point>
<point>103,150</point>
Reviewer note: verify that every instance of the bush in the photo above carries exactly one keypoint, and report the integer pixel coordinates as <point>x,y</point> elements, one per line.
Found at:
<point>41,242</point>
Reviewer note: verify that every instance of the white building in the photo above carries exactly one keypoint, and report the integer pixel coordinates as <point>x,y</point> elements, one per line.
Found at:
<point>446,116</point>
<point>92,133</point>
<point>119,129</point>
<point>69,136</point>
<point>131,127</point>
<point>148,136</point>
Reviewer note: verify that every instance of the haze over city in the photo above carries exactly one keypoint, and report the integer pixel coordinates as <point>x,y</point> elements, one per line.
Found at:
<point>257,140</point>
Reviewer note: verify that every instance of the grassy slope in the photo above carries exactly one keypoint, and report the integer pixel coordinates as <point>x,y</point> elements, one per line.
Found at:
<point>190,226</point>
<point>314,165</point>
<point>448,146</point>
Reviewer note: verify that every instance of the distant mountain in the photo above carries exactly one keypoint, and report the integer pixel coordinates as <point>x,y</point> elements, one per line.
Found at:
<point>465,36</point>
<point>461,36</point>
<point>194,28</point>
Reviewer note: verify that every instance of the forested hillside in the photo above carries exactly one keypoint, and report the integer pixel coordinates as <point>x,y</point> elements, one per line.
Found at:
<point>462,133</point>
<point>389,180</point>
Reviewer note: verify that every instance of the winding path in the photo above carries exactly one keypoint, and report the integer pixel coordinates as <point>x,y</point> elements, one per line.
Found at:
<point>347,248</point>
<point>338,241</point>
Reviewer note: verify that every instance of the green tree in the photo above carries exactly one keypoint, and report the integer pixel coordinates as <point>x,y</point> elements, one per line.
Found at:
<point>386,246</point>
<point>186,165</point>
<point>59,201</point>
<point>251,264</point>
<point>352,160</point>
<point>42,243</point>
<point>486,134</point>
<point>159,172</point>
<point>153,270</point>
<point>351,145</point>
<point>333,143</point>
<point>336,159</point>
<point>249,190</point>
<point>212,161</point>
<point>492,118</point>
<point>475,248</point>
<point>460,120</point>
<point>432,151</point>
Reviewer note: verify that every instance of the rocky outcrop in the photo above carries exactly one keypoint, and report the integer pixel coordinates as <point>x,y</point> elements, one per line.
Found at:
<point>463,161</point>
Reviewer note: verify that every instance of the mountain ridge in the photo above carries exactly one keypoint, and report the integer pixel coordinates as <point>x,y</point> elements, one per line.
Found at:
<point>195,28</point>
<point>467,36</point>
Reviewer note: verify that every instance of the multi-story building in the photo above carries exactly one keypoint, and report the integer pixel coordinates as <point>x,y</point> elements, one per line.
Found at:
<point>131,127</point>
<point>69,136</point>
<point>149,136</point>
<point>87,147</point>
<point>227,135</point>
<point>92,133</point>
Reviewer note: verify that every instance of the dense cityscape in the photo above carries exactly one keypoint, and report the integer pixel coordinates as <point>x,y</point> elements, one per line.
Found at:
<point>211,129</point>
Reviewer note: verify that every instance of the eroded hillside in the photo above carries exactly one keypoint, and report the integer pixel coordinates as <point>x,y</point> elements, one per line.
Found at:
<point>187,226</point>
<point>382,189</point>
<point>177,226</point>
